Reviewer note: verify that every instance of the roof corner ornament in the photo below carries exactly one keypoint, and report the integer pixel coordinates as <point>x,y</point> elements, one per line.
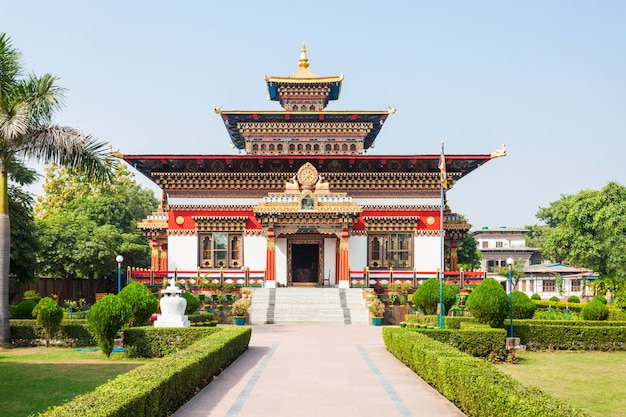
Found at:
<point>391,110</point>
<point>499,152</point>
<point>218,110</point>
<point>116,153</point>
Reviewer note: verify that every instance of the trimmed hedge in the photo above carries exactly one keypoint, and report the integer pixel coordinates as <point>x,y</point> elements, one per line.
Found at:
<point>589,335</point>
<point>472,384</point>
<point>151,342</point>
<point>161,387</point>
<point>480,342</point>
<point>73,333</point>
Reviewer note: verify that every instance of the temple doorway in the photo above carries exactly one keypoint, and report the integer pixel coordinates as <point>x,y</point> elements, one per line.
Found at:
<point>305,263</point>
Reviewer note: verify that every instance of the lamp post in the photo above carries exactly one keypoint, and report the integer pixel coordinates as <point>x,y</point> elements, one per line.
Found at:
<point>509,262</point>
<point>440,274</point>
<point>119,259</point>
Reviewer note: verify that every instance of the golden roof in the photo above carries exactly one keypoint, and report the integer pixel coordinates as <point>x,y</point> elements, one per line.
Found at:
<point>303,74</point>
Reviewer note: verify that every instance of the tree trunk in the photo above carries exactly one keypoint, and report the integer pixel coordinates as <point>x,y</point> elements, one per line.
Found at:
<point>5,244</point>
<point>5,250</point>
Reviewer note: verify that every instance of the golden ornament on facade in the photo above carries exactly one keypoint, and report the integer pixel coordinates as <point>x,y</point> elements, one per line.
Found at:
<point>430,220</point>
<point>180,220</point>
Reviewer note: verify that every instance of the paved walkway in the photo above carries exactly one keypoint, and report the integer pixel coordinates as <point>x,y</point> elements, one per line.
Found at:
<point>317,370</point>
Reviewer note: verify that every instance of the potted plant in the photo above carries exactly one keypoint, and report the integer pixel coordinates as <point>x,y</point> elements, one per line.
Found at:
<point>377,308</point>
<point>240,311</point>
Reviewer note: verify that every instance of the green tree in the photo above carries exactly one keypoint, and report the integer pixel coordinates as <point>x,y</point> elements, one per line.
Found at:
<point>49,316</point>
<point>488,303</point>
<point>426,297</point>
<point>24,243</point>
<point>92,222</point>
<point>105,318</point>
<point>141,302</point>
<point>27,105</point>
<point>517,271</point>
<point>468,255</point>
<point>588,229</point>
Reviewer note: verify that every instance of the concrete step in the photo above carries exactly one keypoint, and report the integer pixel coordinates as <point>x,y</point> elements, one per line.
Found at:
<point>308,305</point>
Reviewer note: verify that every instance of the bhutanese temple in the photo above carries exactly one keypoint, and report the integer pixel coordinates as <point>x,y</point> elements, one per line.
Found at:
<point>303,202</point>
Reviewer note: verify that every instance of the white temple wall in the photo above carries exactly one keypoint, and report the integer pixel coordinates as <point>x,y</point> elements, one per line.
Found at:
<point>330,259</point>
<point>182,253</point>
<point>194,201</point>
<point>357,252</point>
<point>427,253</point>
<point>280,247</point>
<point>255,252</point>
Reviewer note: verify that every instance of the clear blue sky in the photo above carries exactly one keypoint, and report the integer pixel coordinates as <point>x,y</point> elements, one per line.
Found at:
<point>547,78</point>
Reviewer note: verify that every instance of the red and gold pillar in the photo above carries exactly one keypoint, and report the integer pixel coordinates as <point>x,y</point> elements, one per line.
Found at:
<point>343,270</point>
<point>154,257</point>
<point>454,248</point>
<point>270,269</point>
<point>164,257</point>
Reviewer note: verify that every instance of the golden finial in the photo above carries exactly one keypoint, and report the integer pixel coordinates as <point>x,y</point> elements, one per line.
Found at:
<point>304,61</point>
<point>500,152</point>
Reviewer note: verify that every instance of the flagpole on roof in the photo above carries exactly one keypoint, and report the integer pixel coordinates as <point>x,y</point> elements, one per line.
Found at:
<point>443,182</point>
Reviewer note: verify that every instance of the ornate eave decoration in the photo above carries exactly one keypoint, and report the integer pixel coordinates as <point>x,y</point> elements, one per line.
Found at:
<point>377,224</point>
<point>307,201</point>
<point>220,223</point>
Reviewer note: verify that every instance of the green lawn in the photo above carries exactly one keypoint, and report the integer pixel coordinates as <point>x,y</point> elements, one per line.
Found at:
<point>592,381</point>
<point>32,379</point>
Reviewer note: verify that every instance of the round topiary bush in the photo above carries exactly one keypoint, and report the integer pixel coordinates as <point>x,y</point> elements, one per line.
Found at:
<point>488,303</point>
<point>105,318</point>
<point>600,298</point>
<point>24,310</point>
<point>535,297</point>
<point>141,302</point>
<point>426,298</point>
<point>594,310</point>
<point>523,307</point>
<point>555,298</point>
<point>573,299</point>
<point>192,302</point>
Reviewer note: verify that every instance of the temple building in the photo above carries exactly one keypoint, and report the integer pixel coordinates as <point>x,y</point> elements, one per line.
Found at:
<point>304,202</point>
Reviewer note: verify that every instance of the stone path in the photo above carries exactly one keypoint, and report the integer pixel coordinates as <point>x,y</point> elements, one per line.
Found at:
<point>317,370</point>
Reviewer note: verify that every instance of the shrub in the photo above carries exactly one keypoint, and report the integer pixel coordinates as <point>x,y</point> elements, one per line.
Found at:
<point>240,307</point>
<point>49,316</point>
<point>140,301</point>
<point>105,318</point>
<point>573,299</point>
<point>426,298</point>
<point>523,307</point>
<point>489,303</point>
<point>535,297</point>
<point>376,307</point>
<point>600,298</point>
<point>555,298</point>
<point>594,310</point>
<point>32,295</point>
<point>24,310</point>
<point>192,302</point>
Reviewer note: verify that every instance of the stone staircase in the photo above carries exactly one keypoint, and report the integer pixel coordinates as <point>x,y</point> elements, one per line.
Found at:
<point>308,305</point>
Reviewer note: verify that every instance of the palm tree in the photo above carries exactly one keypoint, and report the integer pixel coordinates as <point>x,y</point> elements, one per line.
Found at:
<point>27,105</point>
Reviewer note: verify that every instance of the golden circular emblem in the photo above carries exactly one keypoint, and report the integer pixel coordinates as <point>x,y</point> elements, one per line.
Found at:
<point>180,220</point>
<point>307,175</point>
<point>430,220</point>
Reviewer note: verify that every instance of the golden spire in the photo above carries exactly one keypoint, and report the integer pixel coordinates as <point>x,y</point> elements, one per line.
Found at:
<point>304,61</point>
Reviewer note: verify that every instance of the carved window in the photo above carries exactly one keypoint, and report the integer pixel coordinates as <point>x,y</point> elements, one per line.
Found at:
<point>220,250</point>
<point>279,148</point>
<point>294,108</point>
<point>353,148</point>
<point>390,250</point>
<point>329,148</point>
<point>316,148</point>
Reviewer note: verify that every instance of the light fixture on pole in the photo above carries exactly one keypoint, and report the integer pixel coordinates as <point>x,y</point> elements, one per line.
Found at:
<point>119,259</point>
<point>509,262</point>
